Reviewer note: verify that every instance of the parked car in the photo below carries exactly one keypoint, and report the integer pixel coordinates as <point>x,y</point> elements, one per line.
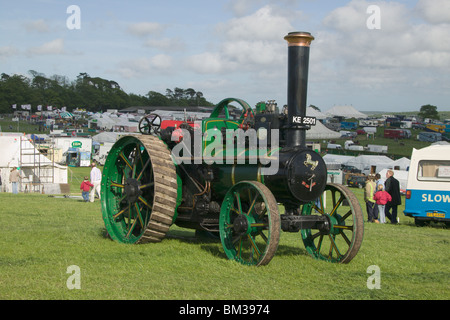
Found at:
<point>360,131</point>
<point>334,146</point>
<point>350,169</point>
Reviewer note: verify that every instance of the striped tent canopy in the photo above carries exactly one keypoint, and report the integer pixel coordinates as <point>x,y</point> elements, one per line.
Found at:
<point>65,115</point>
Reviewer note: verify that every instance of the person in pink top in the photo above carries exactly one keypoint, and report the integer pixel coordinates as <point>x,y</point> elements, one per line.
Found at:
<point>382,197</point>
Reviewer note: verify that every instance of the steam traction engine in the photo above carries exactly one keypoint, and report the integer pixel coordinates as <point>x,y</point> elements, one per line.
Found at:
<point>188,174</point>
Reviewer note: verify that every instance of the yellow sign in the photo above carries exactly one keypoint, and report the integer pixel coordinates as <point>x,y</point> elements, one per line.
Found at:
<point>436,214</point>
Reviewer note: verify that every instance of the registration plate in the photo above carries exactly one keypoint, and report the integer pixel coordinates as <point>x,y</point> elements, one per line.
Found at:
<point>304,120</point>
<point>435,214</point>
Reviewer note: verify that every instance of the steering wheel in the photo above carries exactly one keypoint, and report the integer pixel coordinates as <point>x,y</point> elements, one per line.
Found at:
<point>150,124</point>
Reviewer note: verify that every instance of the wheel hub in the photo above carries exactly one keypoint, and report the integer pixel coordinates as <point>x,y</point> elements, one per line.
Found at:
<point>132,190</point>
<point>327,225</point>
<point>240,224</point>
<point>336,219</point>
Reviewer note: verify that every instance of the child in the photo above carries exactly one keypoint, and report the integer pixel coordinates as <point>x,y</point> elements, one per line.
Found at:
<point>382,197</point>
<point>85,186</point>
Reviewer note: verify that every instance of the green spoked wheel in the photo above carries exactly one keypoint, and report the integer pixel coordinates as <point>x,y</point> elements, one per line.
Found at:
<point>341,239</point>
<point>249,223</point>
<point>138,190</point>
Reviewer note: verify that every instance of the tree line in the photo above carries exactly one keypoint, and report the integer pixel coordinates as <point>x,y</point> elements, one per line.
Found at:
<point>91,93</point>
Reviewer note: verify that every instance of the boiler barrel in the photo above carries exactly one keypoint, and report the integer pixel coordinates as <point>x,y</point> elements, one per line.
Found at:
<point>300,178</point>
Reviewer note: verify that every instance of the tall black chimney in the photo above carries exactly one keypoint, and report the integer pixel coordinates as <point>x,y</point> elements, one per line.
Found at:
<point>298,61</point>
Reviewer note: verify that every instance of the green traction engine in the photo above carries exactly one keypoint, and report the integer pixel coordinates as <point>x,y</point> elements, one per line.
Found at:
<point>229,174</point>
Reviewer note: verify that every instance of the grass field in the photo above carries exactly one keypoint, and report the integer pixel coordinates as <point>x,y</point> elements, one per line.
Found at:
<point>41,236</point>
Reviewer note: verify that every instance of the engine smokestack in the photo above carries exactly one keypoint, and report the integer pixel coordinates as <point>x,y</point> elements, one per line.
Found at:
<point>298,62</point>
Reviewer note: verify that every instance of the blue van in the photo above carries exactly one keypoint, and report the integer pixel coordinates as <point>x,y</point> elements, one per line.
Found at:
<point>428,188</point>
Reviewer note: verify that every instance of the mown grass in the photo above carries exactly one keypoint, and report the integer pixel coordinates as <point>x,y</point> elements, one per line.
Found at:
<point>41,236</point>
<point>75,176</point>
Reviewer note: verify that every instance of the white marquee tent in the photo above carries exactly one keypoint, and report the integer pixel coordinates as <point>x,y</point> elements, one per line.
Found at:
<point>346,112</point>
<point>107,136</point>
<point>319,131</point>
<point>367,161</point>
<point>103,120</point>
<point>311,112</point>
<point>402,164</point>
<point>336,158</point>
<point>363,162</point>
<point>123,125</point>
<point>18,151</point>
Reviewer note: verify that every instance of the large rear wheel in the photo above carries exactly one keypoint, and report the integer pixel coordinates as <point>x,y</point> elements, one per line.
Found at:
<point>138,190</point>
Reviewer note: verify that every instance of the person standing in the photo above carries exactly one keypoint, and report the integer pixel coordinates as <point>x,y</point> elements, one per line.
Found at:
<point>85,187</point>
<point>379,181</point>
<point>392,186</point>
<point>14,177</point>
<point>382,197</point>
<point>369,191</point>
<point>96,178</point>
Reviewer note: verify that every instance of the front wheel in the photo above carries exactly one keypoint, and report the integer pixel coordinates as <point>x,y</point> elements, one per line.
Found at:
<point>249,223</point>
<point>343,236</point>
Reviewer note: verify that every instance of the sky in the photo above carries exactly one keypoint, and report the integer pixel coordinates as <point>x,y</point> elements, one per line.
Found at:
<point>374,55</point>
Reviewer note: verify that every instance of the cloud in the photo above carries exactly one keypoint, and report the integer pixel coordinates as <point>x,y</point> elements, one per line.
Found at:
<point>209,63</point>
<point>166,44</point>
<point>38,26</point>
<point>254,53</point>
<point>145,28</point>
<point>248,43</point>
<point>346,19</point>
<point>264,24</point>
<point>161,62</point>
<point>53,47</point>
<point>243,7</point>
<point>434,11</point>
<point>398,52</point>
<point>353,17</point>
<point>216,86</point>
<point>247,56</point>
<point>141,67</point>
<point>8,51</point>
